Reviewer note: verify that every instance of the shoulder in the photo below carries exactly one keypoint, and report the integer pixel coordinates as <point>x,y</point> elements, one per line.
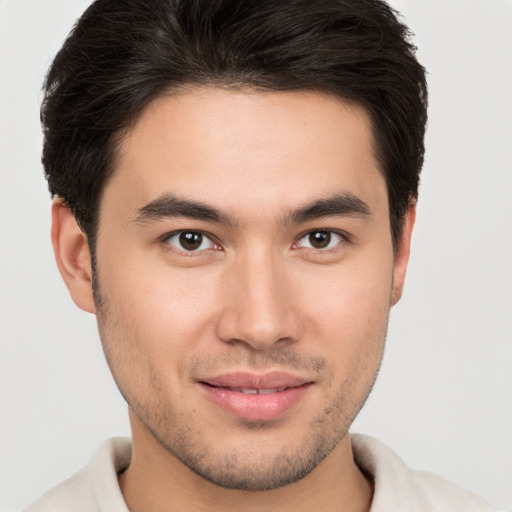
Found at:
<point>399,488</point>
<point>75,492</point>
<point>93,489</point>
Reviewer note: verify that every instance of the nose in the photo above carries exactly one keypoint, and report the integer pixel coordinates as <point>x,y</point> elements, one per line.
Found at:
<point>259,308</point>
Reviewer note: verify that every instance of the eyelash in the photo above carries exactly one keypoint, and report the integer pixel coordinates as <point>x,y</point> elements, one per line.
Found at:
<point>204,237</point>
<point>342,238</point>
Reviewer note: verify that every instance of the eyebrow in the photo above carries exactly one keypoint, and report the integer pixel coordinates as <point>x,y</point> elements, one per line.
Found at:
<point>169,205</point>
<point>345,204</point>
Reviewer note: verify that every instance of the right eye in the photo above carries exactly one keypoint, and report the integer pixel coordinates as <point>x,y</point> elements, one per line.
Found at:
<point>190,241</point>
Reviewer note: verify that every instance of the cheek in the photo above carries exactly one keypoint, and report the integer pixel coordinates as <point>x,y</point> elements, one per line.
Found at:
<point>161,302</point>
<point>347,317</point>
<point>352,300</point>
<point>157,313</point>
<point>153,320</point>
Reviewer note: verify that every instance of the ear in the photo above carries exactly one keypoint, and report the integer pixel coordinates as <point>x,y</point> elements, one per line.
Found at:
<point>402,254</point>
<point>72,256</point>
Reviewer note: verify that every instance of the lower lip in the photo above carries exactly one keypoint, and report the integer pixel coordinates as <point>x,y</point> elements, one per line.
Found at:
<point>254,407</point>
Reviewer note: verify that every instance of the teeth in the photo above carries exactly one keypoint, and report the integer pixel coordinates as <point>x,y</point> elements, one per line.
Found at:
<point>266,391</point>
<point>270,390</point>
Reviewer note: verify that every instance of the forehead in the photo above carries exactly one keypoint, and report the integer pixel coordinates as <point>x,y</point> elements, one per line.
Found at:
<point>233,148</point>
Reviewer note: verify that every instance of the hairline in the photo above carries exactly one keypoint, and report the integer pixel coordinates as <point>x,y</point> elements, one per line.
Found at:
<point>119,137</point>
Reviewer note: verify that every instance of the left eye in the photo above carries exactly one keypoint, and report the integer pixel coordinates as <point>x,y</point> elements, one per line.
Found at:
<point>190,241</point>
<point>320,239</point>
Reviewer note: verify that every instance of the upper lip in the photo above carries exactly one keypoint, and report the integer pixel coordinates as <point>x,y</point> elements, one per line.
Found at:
<point>248,380</point>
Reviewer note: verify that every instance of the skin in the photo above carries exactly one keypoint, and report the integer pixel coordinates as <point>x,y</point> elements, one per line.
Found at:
<point>256,297</point>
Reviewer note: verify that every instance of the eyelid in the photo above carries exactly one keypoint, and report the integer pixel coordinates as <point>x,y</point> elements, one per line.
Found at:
<point>164,239</point>
<point>345,238</point>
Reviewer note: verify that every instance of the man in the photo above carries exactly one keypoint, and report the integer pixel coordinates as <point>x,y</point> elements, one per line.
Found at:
<point>235,187</point>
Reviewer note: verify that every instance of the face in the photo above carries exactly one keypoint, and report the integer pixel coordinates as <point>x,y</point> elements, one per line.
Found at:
<point>245,274</point>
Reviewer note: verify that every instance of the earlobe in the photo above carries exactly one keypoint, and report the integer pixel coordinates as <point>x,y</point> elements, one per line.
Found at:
<point>402,254</point>
<point>72,256</point>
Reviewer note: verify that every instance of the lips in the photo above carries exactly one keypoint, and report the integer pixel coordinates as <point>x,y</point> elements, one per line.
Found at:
<point>256,397</point>
<point>256,391</point>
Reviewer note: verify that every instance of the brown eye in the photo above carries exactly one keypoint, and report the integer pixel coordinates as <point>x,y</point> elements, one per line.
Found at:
<point>190,241</point>
<point>321,239</point>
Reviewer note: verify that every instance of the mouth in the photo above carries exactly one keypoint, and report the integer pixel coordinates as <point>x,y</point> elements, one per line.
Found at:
<point>256,397</point>
<point>251,391</point>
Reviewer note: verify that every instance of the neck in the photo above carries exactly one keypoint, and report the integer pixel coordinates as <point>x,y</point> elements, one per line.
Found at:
<point>156,480</point>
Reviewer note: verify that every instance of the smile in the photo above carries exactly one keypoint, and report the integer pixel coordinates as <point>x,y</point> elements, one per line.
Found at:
<point>256,397</point>
<point>263,391</point>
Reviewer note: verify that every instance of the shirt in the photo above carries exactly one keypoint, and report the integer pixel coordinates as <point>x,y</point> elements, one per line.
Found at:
<point>397,488</point>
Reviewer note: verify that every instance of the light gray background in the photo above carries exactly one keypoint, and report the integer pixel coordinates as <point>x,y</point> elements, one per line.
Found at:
<point>444,397</point>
